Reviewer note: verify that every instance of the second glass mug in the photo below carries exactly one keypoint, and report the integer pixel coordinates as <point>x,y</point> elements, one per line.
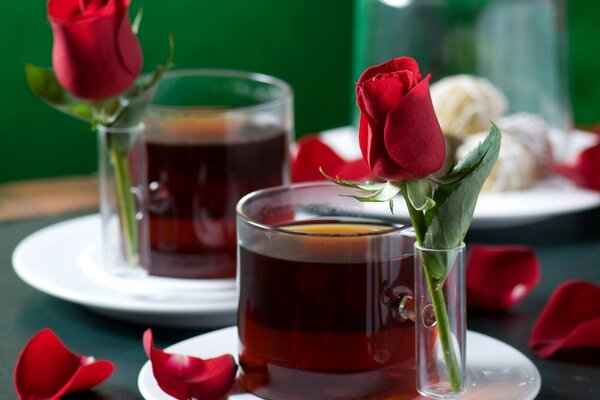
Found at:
<point>326,304</point>
<point>211,137</point>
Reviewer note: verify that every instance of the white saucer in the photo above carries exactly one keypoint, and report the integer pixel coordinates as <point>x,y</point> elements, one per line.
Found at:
<point>496,371</point>
<point>90,263</point>
<point>546,199</point>
<point>60,260</point>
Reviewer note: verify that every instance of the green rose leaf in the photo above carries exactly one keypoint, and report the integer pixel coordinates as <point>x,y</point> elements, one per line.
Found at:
<point>44,84</point>
<point>450,218</point>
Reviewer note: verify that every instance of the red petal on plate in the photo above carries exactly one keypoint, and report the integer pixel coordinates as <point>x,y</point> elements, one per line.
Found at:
<point>570,320</point>
<point>313,154</point>
<point>184,377</point>
<point>500,276</point>
<point>585,170</point>
<point>46,369</point>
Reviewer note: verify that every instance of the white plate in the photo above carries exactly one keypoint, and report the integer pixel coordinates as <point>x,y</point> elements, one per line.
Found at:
<point>548,198</point>
<point>56,259</point>
<point>495,370</point>
<point>90,262</point>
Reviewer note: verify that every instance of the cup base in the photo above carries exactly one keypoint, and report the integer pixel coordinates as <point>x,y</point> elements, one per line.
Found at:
<point>216,265</point>
<point>309,385</point>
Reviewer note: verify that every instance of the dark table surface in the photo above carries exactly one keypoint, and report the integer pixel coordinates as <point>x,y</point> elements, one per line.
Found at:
<point>568,248</point>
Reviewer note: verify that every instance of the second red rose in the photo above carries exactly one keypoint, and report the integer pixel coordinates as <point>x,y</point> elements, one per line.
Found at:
<point>95,54</point>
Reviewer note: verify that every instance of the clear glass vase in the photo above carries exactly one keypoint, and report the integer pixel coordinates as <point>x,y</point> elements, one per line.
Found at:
<point>122,180</point>
<point>440,308</point>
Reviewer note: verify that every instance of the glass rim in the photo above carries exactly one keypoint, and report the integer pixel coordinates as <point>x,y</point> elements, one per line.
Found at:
<point>460,247</point>
<point>140,126</point>
<point>285,96</point>
<point>394,227</point>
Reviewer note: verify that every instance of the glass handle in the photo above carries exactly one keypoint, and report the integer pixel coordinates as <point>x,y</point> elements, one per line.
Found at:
<point>404,308</point>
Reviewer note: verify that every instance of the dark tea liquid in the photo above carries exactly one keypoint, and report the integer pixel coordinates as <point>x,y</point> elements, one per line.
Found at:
<point>196,175</point>
<point>323,327</point>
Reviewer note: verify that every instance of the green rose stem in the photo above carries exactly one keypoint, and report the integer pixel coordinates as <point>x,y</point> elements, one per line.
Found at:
<point>438,302</point>
<point>119,159</point>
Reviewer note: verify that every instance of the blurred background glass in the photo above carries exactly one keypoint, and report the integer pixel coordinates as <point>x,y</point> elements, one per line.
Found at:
<point>519,45</point>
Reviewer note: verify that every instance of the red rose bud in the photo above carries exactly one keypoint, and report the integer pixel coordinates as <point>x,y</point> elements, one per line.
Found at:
<point>47,370</point>
<point>400,137</point>
<point>185,377</point>
<point>95,53</point>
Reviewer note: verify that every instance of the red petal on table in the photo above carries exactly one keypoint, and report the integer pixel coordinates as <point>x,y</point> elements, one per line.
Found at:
<point>500,276</point>
<point>570,320</point>
<point>47,370</point>
<point>184,377</point>
<point>585,170</point>
<point>312,154</point>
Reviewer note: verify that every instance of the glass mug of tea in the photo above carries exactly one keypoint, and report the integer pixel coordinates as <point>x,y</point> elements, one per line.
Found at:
<point>320,283</point>
<point>211,137</point>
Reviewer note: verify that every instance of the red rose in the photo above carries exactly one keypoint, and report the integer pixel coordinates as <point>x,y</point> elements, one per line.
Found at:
<point>400,137</point>
<point>95,54</point>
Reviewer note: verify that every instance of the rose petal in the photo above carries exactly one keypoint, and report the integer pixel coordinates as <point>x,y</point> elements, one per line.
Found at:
<point>413,137</point>
<point>395,64</point>
<point>93,7</point>
<point>184,377</point>
<point>500,276</point>
<point>46,369</point>
<point>380,96</point>
<point>312,154</point>
<point>570,320</point>
<point>70,11</point>
<point>372,147</point>
<point>585,170</point>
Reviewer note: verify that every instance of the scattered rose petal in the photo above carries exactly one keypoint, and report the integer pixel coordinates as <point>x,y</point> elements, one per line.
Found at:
<point>185,377</point>
<point>585,170</point>
<point>500,276</point>
<point>312,154</point>
<point>47,370</point>
<point>570,320</point>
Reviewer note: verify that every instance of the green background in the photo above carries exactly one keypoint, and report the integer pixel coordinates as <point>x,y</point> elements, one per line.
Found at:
<point>308,43</point>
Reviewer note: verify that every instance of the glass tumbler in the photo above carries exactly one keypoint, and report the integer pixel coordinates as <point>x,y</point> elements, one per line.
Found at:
<point>211,137</point>
<point>320,279</point>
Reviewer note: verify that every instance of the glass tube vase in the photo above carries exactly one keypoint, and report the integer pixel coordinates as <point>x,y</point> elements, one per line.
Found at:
<point>440,331</point>
<point>122,181</point>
